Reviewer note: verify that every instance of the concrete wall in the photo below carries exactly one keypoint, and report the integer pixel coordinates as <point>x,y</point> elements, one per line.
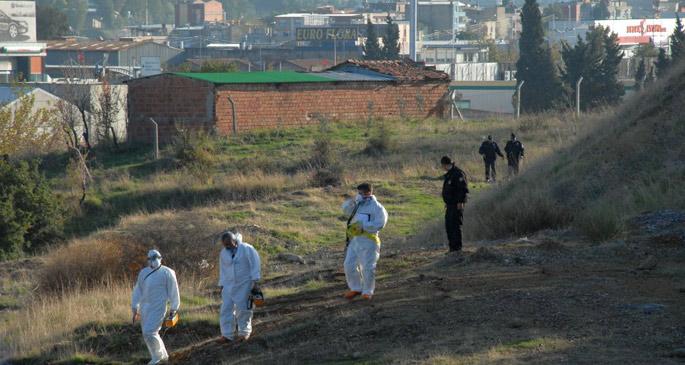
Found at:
<point>69,92</point>
<point>176,101</point>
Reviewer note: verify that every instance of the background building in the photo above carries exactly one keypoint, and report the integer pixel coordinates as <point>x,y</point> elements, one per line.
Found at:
<point>21,55</point>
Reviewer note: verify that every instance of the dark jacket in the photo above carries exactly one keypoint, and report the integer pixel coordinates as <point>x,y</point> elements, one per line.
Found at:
<point>490,150</point>
<point>514,149</point>
<point>455,187</point>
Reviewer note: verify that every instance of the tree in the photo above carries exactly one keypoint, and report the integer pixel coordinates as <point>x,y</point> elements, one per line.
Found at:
<point>372,50</point>
<point>77,10</point>
<point>678,42</point>
<point>30,214</point>
<point>218,66</point>
<point>640,75</point>
<point>535,67</point>
<point>391,41</point>
<point>24,130</point>
<point>106,109</point>
<point>596,59</point>
<point>601,10</point>
<point>50,23</point>
<point>662,64</point>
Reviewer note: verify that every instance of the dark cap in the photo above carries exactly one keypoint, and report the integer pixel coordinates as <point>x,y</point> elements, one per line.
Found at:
<point>489,138</point>
<point>445,160</point>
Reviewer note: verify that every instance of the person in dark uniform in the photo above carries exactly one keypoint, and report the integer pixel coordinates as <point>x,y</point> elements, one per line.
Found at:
<point>490,150</point>
<point>454,191</point>
<point>514,150</point>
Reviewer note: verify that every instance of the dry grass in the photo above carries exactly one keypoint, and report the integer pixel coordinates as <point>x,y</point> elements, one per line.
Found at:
<point>50,320</point>
<point>518,352</point>
<point>626,161</point>
<point>87,263</point>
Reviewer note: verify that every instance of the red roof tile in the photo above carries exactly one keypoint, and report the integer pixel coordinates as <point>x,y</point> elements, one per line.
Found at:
<point>402,70</point>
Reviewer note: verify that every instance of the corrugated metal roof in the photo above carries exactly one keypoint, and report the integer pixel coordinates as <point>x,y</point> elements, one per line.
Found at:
<point>102,46</point>
<point>284,77</point>
<point>348,76</point>
<point>401,70</point>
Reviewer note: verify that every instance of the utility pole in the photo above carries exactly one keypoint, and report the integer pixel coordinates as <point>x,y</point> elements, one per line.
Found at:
<point>518,99</point>
<point>335,49</point>
<point>412,28</point>
<point>578,96</point>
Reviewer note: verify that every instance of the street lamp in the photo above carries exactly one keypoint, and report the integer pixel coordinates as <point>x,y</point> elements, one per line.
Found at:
<point>518,99</point>
<point>578,96</point>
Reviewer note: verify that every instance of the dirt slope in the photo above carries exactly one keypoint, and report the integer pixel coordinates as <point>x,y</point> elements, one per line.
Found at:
<point>548,299</point>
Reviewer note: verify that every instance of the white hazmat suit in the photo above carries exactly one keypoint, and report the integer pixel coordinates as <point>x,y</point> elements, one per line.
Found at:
<point>155,287</point>
<point>364,247</point>
<point>238,270</point>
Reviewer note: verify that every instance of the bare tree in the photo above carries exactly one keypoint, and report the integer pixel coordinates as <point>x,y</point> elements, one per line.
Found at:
<point>78,168</point>
<point>78,93</point>
<point>106,111</point>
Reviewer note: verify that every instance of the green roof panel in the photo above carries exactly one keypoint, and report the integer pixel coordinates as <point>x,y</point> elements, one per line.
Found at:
<point>267,77</point>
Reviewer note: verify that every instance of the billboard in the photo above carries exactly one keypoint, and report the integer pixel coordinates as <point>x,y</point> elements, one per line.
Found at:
<point>17,21</point>
<point>659,30</point>
<point>327,34</point>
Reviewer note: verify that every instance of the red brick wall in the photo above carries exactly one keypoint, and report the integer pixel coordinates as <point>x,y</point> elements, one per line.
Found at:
<point>176,101</point>
<point>173,102</point>
<point>286,105</point>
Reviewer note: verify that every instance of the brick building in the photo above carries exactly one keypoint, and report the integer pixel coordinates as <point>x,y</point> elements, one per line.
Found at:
<point>353,90</point>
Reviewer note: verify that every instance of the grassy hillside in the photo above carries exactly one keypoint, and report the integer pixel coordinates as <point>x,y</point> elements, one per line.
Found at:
<point>72,302</point>
<point>632,161</point>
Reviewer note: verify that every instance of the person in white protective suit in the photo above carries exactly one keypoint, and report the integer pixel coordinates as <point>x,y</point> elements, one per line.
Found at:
<point>366,218</point>
<point>156,286</point>
<point>239,275</point>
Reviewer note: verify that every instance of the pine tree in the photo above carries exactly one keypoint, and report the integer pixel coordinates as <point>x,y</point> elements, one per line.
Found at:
<point>662,64</point>
<point>601,10</point>
<point>542,88</point>
<point>391,41</point>
<point>372,50</point>
<point>596,59</point>
<point>678,42</point>
<point>640,75</point>
<point>613,89</point>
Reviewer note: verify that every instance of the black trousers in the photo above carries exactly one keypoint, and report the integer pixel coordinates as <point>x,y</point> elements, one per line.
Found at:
<point>513,166</point>
<point>454,219</point>
<point>490,171</point>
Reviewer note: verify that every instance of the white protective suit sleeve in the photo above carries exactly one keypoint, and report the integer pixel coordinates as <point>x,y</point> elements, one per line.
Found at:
<point>137,295</point>
<point>255,264</point>
<point>221,270</point>
<point>348,207</point>
<point>172,291</point>
<point>379,218</point>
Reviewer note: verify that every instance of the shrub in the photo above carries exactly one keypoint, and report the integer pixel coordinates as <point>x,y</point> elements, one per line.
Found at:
<point>332,176</point>
<point>195,151</point>
<point>599,224</point>
<point>85,264</point>
<point>322,154</point>
<point>380,143</point>
<point>30,214</point>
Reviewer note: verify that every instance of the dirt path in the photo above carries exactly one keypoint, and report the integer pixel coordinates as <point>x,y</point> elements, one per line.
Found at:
<point>543,301</point>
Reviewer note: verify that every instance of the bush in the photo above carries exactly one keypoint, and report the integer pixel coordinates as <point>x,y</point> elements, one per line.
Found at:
<point>30,214</point>
<point>379,144</point>
<point>85,264</point>
<point>322,153</point>
<point>332,176</point>
<point>600,223</point>
<point>195,153</point>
